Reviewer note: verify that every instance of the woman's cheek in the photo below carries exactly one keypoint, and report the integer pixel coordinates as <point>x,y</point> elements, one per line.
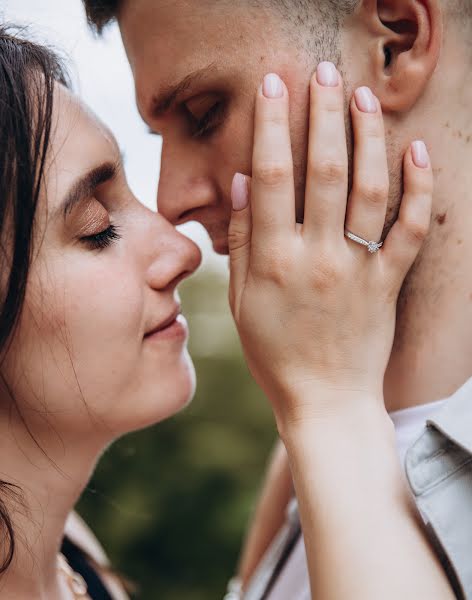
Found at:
<point>105,305</point>
<point>80,340</point>
<point>94,330</point>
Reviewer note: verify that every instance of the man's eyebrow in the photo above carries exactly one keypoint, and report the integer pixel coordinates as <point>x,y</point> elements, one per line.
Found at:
<point>167,97</point>
<point>84,187</point>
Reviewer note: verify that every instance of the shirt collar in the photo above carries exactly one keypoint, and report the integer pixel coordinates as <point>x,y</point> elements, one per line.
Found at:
<point>454,419</point>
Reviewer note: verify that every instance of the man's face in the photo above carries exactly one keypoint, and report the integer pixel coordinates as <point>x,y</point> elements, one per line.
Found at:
<point>214,56</point>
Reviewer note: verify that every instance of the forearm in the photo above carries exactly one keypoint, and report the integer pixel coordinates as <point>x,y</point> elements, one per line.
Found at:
<point>363,536</point>
<point>270,512</point>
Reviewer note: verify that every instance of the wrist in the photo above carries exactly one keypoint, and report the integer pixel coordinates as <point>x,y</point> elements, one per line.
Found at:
<point>357,447</point>
<point>319,409</point>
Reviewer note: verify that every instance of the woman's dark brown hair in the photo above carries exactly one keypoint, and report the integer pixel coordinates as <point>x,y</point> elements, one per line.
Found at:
<point>28,73</point>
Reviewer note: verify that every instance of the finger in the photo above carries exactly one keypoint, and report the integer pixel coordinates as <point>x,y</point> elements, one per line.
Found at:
<point>406,237</point>
<point>327,171</point>
<point>239,238</point>
<point>367,204</point>
<point>272,189</point>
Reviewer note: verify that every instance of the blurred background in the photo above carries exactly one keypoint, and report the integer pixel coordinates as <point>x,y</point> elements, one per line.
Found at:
<point>169,504</point>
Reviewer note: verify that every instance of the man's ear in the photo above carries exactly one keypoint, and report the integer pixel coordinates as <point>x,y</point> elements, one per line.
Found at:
<point>409,33</point>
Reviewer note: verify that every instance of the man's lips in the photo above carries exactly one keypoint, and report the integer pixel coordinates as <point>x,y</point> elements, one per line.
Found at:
<point>163,325</point>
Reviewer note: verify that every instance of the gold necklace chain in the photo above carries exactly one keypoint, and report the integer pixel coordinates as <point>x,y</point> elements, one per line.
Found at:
<point>76,582</point>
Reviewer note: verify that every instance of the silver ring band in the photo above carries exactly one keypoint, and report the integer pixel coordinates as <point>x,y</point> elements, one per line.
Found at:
<point>372,247</point>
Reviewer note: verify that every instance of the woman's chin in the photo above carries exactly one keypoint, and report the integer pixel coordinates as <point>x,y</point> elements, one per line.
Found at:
<point>151,395</point>
<point>183,393</point>
<point>164,399</point>
<point>186,386</point>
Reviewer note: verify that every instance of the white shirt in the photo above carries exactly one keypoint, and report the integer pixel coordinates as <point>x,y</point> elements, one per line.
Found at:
<point>293,582</point>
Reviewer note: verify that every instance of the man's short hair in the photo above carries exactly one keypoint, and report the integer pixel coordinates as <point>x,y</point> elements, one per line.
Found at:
<point>101,12</point>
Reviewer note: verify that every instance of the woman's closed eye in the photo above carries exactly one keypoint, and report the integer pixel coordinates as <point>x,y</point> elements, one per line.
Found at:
<point>103,239</point>
<point>93,227</point>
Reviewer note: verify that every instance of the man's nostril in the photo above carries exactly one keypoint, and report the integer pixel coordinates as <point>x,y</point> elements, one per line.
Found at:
<point>186,215</point>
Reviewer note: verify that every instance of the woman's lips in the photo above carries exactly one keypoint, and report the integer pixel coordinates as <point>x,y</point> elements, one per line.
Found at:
<point>173,329</point>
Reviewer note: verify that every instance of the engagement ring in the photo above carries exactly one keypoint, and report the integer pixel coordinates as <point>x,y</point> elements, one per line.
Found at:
<point>372,247</point>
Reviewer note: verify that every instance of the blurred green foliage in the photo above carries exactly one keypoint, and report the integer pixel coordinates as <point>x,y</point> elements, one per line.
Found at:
<point>171,504</point>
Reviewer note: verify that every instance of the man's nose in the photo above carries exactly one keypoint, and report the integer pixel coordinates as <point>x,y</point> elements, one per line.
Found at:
<point>185,189</point>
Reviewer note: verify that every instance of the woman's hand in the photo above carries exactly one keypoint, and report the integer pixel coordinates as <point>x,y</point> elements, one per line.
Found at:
<point>316,316</point>
<point>316,311</point>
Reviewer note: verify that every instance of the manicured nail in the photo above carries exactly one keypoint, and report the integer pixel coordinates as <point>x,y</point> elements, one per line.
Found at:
<point>365,100</point>
<point>272,87</point>
<point>327,74</point>
<point>239,192</point>
<point>420,154</point>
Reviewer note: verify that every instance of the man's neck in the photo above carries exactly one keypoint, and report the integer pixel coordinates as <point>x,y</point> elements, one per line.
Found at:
<point>432,353</point>
<point>50,473</point>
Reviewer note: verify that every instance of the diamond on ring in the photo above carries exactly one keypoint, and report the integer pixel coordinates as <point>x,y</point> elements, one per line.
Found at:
<point>372,247</point>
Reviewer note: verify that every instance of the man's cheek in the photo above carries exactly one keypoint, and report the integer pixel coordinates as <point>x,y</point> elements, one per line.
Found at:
<point>238,143</point>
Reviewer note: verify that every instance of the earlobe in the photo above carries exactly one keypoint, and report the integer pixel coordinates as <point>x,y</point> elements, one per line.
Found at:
<point>411,47</point>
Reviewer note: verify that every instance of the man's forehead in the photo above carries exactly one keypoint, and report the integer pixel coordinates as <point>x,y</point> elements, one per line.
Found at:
<point>166,65</point>
<point>171,24</point>
<point>169,52</point>
<point>166,33</point>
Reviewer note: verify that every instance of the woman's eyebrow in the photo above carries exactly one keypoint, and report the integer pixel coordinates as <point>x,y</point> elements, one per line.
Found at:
<point>84,187</point>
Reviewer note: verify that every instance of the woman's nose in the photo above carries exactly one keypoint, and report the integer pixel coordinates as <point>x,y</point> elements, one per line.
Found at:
<point>176,258</point>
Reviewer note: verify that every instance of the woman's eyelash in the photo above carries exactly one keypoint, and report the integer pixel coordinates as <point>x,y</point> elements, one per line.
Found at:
<point>205,125</point>
<point>102,240</point>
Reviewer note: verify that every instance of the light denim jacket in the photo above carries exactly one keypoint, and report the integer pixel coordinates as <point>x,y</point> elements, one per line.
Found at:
<point>439,470</point>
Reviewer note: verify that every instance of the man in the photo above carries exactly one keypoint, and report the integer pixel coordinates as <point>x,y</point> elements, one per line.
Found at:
<point>196,65</point>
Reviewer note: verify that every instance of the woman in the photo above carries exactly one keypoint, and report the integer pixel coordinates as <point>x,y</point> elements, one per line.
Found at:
<point>92,337</point>
<point>94,345</point>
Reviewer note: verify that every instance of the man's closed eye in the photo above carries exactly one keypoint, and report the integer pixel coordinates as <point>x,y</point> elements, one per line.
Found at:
<point>204,114</point>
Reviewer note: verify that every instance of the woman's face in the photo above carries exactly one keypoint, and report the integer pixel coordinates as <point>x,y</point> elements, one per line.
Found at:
<point>99,349</point>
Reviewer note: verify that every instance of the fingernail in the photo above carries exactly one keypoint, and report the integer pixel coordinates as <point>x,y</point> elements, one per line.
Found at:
<point>239,192</point>
<point>365,100</point>
<point>272,87</point>
<point>327,74</point>
<point>420,154</point>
